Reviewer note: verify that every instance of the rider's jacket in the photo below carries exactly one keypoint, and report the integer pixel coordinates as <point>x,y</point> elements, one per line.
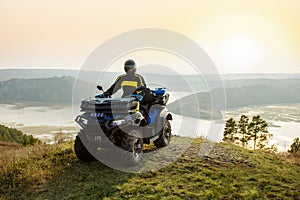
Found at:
<point>128,82</point>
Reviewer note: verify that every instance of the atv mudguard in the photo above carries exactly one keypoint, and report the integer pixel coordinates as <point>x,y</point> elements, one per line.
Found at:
<point>162,117</point>
<point>165,114</point>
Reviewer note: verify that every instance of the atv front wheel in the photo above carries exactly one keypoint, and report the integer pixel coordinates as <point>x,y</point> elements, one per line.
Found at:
<point>165,136</point>
<point>133,145</point>
<point>81,152</point>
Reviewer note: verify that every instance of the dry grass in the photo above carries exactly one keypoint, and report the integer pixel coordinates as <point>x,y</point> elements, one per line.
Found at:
<point>290,157</point>
<point>25,167</point>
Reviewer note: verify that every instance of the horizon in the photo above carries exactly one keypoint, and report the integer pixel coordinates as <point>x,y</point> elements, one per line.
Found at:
<point>68,69</point>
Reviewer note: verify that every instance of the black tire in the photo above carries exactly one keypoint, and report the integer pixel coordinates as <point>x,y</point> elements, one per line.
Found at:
<point>81,152</point>
<point>133,145</point>
<point>164,136</point>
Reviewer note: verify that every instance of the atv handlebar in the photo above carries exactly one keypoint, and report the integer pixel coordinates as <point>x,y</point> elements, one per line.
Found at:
<point>142,93</point>
<point>104,94</point>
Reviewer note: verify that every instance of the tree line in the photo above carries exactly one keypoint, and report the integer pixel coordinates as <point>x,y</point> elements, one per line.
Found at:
<point>253,134</point>
<point>246,133</point>
<point>13,135</point>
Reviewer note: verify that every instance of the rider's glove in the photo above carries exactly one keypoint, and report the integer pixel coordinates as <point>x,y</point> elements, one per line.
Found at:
<point>100,96</point>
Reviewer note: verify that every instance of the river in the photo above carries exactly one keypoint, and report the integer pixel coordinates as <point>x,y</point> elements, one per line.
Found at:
<point>62,117</point>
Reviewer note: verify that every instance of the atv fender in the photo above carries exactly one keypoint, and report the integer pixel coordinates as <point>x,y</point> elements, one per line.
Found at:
<point>165,114</point>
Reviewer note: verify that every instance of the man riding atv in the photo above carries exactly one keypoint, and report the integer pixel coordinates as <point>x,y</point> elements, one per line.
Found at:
<point>123,124</point>
<point>129,82</point>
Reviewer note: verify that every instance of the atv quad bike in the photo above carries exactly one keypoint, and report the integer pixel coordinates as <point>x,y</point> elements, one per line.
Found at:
<point>123,124</point>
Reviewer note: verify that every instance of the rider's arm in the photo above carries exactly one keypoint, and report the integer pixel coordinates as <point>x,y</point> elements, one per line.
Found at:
<point>114,87</point>
<point>143,82</point>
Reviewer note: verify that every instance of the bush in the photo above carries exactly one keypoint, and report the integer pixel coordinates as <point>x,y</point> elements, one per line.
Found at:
<point>13,135</point>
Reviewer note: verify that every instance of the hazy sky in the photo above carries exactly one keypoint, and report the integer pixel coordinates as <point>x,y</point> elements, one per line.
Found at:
<point>239,35</point>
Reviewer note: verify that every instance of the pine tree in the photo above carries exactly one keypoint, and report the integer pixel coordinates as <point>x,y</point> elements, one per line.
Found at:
<point>295,147</point>
<point>243,129</point>
<point>230,131</point>
<point>258,131</point>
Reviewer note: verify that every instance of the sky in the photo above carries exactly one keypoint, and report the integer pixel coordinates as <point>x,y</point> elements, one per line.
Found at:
<point>240,36</point>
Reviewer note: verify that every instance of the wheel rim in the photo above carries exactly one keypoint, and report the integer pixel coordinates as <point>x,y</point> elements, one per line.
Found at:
<point>137,149</point>
<point>167,135</point>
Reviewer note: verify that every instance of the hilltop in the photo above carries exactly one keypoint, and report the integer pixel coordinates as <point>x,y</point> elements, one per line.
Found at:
<point>227,172</point>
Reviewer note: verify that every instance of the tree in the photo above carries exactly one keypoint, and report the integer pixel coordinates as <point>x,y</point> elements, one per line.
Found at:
<point>243,130</point>
<point>295,147</point>
<point>230,131</point>
<point>258,131</point>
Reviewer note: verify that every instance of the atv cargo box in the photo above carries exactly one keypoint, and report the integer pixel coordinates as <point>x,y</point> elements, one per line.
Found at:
<point>107,105</point>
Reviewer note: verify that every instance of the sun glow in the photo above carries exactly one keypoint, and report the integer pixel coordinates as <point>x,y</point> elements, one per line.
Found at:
<point>240,52</point>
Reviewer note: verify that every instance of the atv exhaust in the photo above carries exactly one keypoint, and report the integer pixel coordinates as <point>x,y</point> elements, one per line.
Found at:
<point>136,119</point>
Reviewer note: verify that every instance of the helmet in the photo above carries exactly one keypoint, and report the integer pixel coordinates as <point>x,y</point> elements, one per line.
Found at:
<point>129,66</point>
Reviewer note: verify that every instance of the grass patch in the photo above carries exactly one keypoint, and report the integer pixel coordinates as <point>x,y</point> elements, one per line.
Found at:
<point>226,172</point>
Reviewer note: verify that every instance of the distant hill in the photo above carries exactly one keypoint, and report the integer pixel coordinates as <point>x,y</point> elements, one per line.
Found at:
<point>7,74</point>
<point>173,82</point>
<point>241,89</point>
<point>42,90</point>
<point>261,76</point>
<point>181,83</point>
<point>259,93</point>
<point>270,92</point>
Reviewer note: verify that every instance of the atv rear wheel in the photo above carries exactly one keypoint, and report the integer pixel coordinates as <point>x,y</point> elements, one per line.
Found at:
<point>165,136</point>
<point>81,152</point>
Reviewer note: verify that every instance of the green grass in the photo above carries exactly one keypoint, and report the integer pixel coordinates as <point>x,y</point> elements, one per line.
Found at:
<point>227,172</point>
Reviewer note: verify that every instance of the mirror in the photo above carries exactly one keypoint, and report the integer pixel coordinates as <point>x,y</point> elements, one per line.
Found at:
<point>100,87</point>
